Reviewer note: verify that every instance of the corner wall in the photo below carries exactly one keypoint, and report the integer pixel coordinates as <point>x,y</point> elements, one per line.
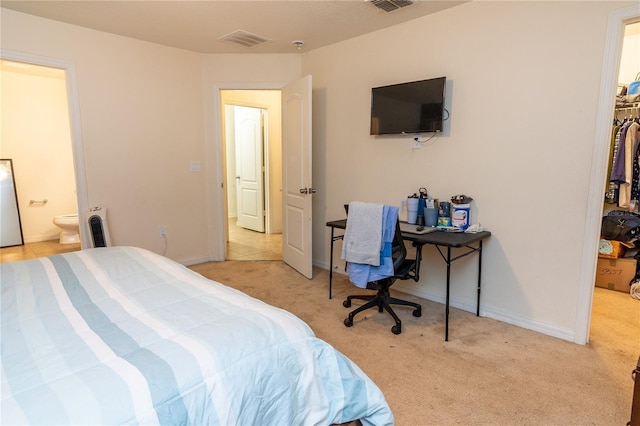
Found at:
<point>523,85</point>
<point>142,123</point>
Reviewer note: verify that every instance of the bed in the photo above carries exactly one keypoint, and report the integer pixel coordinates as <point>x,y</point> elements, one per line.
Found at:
<point>121,335</point>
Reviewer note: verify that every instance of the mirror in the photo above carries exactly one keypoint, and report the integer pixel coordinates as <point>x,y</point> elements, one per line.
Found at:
<point>10,226</point>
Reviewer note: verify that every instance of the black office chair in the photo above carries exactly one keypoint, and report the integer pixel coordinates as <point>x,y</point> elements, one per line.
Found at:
<point>404,269</point>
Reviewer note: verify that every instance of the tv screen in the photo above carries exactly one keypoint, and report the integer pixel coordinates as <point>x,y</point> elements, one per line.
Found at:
<point>414,107</point>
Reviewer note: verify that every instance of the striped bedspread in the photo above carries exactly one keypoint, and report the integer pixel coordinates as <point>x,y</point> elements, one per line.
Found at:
<point>121,335</point>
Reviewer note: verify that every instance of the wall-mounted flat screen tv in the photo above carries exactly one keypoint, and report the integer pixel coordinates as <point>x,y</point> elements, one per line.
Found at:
<point>413,107</point>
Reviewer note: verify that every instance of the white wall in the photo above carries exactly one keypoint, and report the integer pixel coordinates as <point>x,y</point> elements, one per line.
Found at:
<point>523,85</point>
<point>146,112</point>
<point>523,93</point>
<point>142,124</point>
<point>630,62</point>
<point>36,136</point>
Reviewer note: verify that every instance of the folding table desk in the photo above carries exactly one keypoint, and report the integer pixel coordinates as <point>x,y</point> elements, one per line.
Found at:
<point>444,242</point>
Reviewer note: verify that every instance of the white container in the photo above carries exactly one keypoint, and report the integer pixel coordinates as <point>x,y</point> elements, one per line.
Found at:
<point>460,215</point>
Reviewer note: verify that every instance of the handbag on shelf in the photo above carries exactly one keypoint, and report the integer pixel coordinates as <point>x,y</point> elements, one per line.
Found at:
<point>621,225</point>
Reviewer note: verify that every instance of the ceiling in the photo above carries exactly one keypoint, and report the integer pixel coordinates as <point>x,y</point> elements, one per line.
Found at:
<point>198,25</point>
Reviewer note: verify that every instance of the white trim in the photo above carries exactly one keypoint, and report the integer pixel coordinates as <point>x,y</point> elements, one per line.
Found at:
<point>74,123</point>
<point>417,290</point>
<point>606,103</point>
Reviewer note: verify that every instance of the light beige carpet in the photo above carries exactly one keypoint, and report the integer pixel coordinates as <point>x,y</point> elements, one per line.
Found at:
<point>489,373</point>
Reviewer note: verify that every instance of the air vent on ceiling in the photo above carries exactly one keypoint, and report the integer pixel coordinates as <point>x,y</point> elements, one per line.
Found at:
<point>244,38</point>
<point>390,5</point>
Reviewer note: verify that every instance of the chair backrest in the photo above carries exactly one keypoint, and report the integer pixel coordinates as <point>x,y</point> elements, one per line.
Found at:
<point>398,249</point>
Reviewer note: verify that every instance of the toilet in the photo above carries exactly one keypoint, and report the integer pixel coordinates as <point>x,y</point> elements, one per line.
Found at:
<point>69,225</point>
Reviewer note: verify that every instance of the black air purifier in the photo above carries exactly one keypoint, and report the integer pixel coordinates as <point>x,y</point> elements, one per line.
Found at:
<point>97,231</point>
<point>98,227</point>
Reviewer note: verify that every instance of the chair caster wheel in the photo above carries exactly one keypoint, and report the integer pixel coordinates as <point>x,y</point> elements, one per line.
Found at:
<point>348,322</point>
<point>417,313</point>
<point>396,329</point>
<point>346,303</point>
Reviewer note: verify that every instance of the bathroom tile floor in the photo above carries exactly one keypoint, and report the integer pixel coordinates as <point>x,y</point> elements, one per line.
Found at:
<point>35,250</point>
<point>245,244</point>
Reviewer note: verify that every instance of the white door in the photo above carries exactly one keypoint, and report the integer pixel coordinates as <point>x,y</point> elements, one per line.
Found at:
<point>249,167</point>
<point>296,181</point>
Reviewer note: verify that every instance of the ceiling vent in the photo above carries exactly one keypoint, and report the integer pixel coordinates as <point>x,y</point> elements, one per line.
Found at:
<point>244,38</point>
<point>390,5</point>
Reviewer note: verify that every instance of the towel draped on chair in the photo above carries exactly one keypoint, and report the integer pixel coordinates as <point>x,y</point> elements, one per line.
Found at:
<point>360,243</point>
<point>367,242</point>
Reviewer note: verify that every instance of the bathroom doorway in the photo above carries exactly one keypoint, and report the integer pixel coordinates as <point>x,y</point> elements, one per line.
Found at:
<point>40,135</point>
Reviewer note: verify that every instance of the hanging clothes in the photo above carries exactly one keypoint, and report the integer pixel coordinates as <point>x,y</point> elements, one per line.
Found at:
<point>633,138</point>
<point>623,173</point>
<point>611,194</point>
<point>622,170</point>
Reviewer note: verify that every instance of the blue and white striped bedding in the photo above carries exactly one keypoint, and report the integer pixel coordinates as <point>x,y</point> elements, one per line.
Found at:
<point>120,335</point>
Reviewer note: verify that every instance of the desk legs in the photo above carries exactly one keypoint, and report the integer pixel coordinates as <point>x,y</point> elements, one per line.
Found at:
<point>446,315</point>
<point>331,263</point>
<point>448,261</point>
<point>479,277</point>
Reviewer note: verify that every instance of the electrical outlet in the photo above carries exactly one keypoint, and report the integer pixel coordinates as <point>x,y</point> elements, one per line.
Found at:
<point>162,232</point>
<point>416,143</point>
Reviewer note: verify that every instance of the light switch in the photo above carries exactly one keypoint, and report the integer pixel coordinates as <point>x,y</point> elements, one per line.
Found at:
<point>195,166</point>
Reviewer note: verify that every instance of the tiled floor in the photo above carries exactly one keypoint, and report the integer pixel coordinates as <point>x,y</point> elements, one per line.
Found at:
<point>243,245</point>
<point>250,245</point>
<point>34,250</point>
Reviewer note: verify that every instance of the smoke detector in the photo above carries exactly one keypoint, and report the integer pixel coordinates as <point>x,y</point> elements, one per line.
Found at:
<point>298,43</point>
<point>390,5</point>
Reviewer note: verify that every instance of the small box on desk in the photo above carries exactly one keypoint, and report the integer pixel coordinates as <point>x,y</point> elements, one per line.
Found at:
<point>615,274</point>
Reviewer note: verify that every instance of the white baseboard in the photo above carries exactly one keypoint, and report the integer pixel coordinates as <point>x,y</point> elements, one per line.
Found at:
<point>41,238</point>
<point>415,289</point>
<point>192,262</point>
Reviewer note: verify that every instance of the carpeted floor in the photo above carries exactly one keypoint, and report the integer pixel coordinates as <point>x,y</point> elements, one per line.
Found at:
<point>489,373</point>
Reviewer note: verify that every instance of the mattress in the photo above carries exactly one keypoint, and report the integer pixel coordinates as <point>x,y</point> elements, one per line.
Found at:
<point>121,335</point>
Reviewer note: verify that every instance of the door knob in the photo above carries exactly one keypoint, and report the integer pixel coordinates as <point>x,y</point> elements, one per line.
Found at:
<point>312,190</point>
<point>304,191</point>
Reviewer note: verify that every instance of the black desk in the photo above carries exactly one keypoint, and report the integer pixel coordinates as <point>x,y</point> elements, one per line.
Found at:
<point>441,240</point>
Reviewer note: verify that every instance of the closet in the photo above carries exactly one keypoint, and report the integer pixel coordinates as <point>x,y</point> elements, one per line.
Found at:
<point>619,248</point>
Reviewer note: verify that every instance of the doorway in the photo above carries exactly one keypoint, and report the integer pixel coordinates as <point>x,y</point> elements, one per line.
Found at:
<point>588,296</point>
<point>73,198</point>
<point>42,155</point>
<point>252,150</point>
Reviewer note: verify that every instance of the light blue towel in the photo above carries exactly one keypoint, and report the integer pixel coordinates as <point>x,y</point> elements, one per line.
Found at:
<point>360,274</point>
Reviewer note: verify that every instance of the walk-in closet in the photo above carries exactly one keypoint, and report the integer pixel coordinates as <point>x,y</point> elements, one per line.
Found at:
<point>619,248</point>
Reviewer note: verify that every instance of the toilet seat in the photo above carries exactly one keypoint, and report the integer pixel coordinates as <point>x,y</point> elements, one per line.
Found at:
<point>69,225</point>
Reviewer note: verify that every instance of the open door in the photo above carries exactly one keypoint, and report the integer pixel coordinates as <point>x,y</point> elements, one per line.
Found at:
<point>249,167</point>
<point>296,181</point>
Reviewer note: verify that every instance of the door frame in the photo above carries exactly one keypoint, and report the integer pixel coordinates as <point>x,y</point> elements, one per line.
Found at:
<point>221,162</point>
<point>77,147</point>
<point>606,104</point>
